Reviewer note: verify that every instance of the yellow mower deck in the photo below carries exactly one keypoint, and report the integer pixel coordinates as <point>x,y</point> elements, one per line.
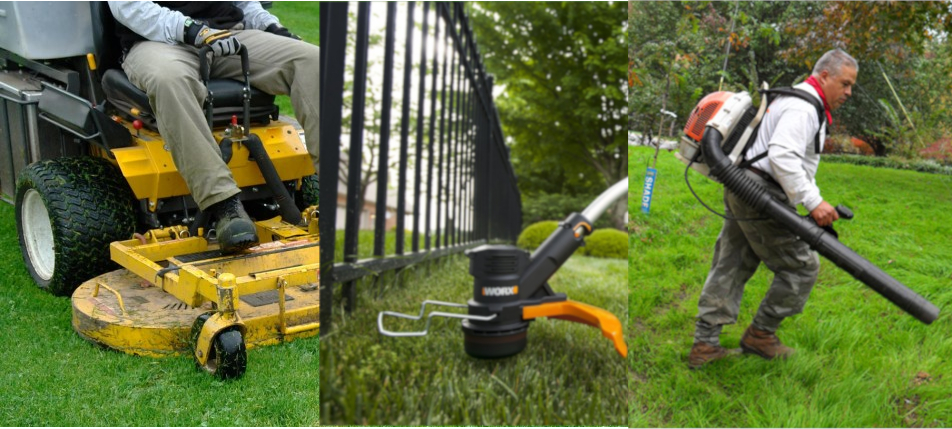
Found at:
<point>149,307</point>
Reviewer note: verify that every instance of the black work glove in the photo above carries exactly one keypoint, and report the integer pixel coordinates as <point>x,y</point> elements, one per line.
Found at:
<point>222,42</point>
<point>281,31</point>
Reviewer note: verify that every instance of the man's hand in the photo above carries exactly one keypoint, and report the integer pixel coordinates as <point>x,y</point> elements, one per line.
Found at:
<point>222,42</point>
<point>281,31</point>
<point>824,214</point>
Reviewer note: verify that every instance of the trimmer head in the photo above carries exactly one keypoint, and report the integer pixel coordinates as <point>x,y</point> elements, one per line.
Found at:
<point>492,345</point>
<point>496,271</point>
<point>510,290</point>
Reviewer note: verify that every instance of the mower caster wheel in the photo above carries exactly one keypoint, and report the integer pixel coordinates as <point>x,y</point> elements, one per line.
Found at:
<point>228,356</point>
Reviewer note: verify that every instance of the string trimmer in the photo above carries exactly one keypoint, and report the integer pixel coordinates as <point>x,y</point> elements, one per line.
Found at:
<point>510,290</point>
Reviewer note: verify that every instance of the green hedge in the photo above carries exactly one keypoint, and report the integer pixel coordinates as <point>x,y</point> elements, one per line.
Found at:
<point>603,243</point>
<point>607,243</point>
<point>925,166</point>
<point>533,236</point>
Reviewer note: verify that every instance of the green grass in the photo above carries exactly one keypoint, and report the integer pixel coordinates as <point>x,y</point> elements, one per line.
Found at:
<point>568,375</point>
<point>365,243</point>
<point>302,19</point>
<point>52,377</point>
<point>860,360</point>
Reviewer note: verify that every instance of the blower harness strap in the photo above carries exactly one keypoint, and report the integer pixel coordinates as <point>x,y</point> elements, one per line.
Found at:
<point>803,95</point>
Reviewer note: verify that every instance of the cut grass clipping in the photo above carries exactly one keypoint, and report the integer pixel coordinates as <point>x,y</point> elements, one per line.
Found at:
<point>568,375</point>
<point>860,360</point>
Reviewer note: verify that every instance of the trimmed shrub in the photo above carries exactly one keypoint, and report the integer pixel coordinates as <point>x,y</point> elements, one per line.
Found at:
<point>924,166</point>
<point>533,236</point>
<point>607,243</point>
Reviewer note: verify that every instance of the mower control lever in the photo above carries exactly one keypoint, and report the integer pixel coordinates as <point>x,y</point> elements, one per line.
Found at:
<point>384,331</point>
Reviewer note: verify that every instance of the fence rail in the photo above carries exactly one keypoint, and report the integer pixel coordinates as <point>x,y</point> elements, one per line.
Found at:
<point>463,186</point>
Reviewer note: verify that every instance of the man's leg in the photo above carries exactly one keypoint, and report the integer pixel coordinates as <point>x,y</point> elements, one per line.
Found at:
<point>169,75</point>
<point>733,264</point>
<point>795,269</point>
<point>282,66</point>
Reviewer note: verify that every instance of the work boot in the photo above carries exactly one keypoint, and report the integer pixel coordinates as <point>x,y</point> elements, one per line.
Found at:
<point>233,227</point>
<point>764,344</point>
<point>703,353</point>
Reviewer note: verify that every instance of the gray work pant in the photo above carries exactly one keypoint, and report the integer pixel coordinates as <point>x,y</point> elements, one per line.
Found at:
<point>740,248</point>
<point>169,75</point>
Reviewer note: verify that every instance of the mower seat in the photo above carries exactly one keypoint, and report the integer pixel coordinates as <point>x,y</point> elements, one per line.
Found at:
<point>227,100</point>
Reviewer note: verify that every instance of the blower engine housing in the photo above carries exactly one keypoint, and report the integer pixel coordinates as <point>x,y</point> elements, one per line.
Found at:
<point>733,115</point>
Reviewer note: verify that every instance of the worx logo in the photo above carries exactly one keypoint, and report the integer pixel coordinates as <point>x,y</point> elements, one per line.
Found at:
<point>501,291</point>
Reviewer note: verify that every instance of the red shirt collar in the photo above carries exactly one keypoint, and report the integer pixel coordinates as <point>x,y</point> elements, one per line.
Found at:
<point>826,106</point>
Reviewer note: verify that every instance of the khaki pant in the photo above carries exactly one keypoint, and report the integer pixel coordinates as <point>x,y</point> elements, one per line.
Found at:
<point>740,248</point>
<point>169,75</point>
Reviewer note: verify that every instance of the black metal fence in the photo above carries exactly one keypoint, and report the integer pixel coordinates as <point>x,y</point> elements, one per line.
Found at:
<point>439,141</point>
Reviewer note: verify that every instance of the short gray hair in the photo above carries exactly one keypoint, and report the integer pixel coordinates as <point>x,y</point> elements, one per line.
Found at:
<point>833,61</point>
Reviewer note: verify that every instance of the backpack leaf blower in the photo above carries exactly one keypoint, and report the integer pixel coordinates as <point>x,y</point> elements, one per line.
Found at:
<point>727,123</point>
<point>510,290</point>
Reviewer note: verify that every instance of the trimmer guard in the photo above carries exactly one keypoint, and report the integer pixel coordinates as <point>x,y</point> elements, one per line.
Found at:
<point>575,311</point>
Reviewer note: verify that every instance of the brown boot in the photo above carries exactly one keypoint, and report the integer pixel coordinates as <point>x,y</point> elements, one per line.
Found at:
<point>764,344</point>
<point>703,353</point>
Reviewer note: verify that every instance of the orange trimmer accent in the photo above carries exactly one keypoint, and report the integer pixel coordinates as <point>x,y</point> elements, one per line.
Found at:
<point>583,313</point>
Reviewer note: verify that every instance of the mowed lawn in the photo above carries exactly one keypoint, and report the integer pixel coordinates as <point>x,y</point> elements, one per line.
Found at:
<point>568,375</point>
<point>861,362</point>
<point>52,377</point>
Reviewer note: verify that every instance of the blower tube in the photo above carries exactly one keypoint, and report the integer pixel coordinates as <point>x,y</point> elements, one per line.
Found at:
<point>757,197</point>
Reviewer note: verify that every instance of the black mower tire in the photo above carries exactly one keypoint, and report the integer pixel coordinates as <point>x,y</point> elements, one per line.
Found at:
<point>229,358</point>
<point>310,192</point>
<point>88,204</point>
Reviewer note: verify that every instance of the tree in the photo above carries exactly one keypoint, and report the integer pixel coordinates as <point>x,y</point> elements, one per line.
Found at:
<point>891,39</point>
<point>563,104</point>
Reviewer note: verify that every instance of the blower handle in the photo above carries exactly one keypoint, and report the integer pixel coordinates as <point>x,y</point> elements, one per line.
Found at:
<point>844,212</point>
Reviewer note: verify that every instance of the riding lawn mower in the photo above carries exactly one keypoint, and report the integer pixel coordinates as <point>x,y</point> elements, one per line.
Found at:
<point>94,185</point>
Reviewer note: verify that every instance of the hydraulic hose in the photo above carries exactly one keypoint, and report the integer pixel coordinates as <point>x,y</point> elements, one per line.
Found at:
<point>289,211</point>
<point>824,243</point>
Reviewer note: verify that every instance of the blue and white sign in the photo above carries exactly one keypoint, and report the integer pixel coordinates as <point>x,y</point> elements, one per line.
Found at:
<point>650,177</point>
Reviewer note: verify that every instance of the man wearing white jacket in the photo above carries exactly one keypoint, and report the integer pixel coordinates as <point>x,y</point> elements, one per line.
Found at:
<point>784,159</point>
<point>161,41</point>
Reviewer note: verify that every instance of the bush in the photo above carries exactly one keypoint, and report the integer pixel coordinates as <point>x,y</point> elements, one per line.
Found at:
<point>533,236</point>
<point>924,166</point>
<point>607,243</point>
